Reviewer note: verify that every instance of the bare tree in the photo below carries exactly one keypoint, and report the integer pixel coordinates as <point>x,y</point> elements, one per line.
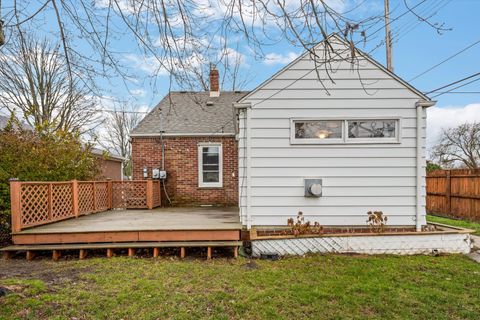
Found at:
<point>35,84</point>
<point>174,37</point>
<point>459,146</point>
<point>116,136</point>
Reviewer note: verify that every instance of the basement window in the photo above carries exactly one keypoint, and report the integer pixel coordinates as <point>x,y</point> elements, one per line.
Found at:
<point>210,165</point>
<point>345,131</point>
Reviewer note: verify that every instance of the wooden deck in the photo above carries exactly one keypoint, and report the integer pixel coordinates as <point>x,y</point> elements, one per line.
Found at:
<point>161,224</point>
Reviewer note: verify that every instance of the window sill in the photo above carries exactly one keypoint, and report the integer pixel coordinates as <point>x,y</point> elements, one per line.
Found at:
<point>209,187</point>
<point>296,142</point>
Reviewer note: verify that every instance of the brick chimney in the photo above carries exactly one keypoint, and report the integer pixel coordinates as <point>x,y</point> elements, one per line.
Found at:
<point>214,82</point>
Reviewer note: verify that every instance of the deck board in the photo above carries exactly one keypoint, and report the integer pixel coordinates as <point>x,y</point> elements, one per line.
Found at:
<point>194,218</point>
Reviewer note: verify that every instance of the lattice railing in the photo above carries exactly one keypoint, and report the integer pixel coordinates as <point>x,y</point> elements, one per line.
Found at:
<point>129,194</point>
<point>37,203</point>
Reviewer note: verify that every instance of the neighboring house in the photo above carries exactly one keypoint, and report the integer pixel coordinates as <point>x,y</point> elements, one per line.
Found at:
<point>111,165</point>
<point>361,140</point>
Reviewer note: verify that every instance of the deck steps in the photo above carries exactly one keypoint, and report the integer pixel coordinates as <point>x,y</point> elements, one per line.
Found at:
<point>109,247</point>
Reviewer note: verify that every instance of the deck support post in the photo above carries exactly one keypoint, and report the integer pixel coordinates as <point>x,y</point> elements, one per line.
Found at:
<point>110,193</point>
<point>30,255</point>
<point>150,194</point>
<point>15,206</point>
<point>209,253</point>
<point>235,252</point>
<point>7,255</point>
<point>155,252</point>
<point>56,255</point>
<point>75,198</point>
<point>82,254</point>
<point>131,252</point>
<point>182,252</point>
<point>109,253</point>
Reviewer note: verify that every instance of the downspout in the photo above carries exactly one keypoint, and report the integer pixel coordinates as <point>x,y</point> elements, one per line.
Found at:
<point>420,163</point>
<point>246,107</point>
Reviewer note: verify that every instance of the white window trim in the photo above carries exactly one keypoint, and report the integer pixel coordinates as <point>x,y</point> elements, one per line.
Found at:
<point>202,184</point>
<point>345,139</point>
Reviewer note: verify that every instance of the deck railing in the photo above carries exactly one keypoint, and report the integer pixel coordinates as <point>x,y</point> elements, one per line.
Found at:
<point>37,203</point>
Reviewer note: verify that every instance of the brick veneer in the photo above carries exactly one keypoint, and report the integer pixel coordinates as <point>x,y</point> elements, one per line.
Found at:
<point>181,164</point>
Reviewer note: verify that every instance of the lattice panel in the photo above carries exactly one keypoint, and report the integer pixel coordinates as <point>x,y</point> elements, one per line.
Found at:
<point>62,201</point>
<point>34,204</point>
<point>381,244</point>
<point>130,194</point>
<point>156,194</point>
<point>101,196</point>
<point>85,198</point>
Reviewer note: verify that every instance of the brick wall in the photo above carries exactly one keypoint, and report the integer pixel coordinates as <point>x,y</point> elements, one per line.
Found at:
<point>181,164</point>
<point>110,169</point>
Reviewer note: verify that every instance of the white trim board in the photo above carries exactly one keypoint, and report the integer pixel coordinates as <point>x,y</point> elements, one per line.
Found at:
<point>201,183</point>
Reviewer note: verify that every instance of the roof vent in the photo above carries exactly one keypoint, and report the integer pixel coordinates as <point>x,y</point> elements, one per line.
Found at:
<point>209,103</point>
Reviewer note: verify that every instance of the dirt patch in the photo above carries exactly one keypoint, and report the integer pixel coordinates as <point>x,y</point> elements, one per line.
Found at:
<point>250,265</point>
<point>51,273</point>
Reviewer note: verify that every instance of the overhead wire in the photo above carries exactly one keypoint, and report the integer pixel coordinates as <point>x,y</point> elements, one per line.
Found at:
<point>445,60</point>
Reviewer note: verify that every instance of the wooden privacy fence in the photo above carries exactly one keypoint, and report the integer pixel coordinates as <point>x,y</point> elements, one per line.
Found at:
<point>37,203</point>
<point>454,193</point>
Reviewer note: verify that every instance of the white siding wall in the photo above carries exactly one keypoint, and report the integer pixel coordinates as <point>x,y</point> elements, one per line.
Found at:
<point>356,178</point>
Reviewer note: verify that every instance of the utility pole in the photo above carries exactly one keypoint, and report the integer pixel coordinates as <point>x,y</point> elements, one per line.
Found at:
<point>388,36</point>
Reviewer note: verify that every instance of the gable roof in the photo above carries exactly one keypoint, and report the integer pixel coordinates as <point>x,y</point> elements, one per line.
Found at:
<point>191,113</point>
<point>360,52</point>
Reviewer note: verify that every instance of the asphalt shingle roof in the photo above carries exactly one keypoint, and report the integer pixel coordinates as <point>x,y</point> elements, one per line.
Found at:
<point>192,113</point>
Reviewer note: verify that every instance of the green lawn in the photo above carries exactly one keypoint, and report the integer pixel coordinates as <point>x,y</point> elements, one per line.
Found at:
<point>314,287</point>
<point>456,223</point>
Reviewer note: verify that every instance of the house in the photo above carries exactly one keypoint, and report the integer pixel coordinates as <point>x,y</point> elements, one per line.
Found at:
<point>330,149</point>
<point>111,165</point>
<point>201,151</point>
<point>299,142</point>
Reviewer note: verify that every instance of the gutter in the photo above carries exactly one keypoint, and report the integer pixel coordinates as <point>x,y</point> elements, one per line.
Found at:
<point>420,105</point>
<point>246,107</point>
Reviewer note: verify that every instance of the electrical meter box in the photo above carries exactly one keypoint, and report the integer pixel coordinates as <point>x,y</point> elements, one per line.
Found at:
<point>163,174</point>
<point>313,187</point>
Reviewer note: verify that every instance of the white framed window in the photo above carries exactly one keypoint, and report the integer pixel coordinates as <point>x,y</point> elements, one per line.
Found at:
<point>210,165</point>
<point>345,131</point>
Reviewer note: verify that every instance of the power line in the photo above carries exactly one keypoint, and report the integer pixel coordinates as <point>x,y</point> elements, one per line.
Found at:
<point>445,60</point>
<point>429,13</point>
<point>462,85</point>
<point>459,92</point>
<point>455,82</point>
<point>118,111</point>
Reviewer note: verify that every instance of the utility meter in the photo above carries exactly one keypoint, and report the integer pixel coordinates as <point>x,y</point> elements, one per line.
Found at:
<point>156,173</point>
<point>162,174</point>
<point>313,188</point>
